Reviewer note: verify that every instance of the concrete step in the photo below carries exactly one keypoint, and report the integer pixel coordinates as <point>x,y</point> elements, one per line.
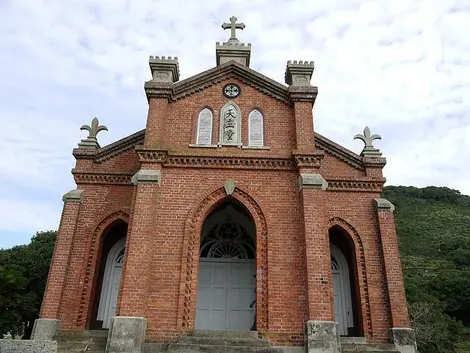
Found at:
<point>225,333</point>
<point>350,339</point>
<point>80,343</point>
<point>224,341</point>
<point>368,348</point>
<point>216,342</point>
<point>206,348</point>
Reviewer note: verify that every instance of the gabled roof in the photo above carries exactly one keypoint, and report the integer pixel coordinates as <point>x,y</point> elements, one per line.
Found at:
<point>321,143</point>
<point>222,72</point>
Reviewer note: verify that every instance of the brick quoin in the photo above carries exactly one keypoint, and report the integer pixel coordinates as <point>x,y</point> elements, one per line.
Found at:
<point>164,216</point>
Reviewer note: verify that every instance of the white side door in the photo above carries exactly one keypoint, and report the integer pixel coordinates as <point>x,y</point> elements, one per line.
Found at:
<point>111,282</point>
<point>341,290</point>
<point>340,314</point>
<point>113,296</point>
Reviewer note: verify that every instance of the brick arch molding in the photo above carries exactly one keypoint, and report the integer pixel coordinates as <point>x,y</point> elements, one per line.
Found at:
<point>190,257</point>
<point>93,250</point>
<point>361,269</point>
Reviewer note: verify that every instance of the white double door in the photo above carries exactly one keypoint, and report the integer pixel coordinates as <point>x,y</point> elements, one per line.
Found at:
<point>226,289</point>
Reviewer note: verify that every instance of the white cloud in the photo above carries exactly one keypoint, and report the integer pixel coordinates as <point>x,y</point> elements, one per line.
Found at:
<point>400,67</point>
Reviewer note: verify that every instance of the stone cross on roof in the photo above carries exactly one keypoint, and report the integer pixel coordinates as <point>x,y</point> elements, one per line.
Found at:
<point>233,25</point>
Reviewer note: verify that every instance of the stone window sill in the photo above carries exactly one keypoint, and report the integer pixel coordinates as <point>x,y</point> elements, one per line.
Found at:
<point>239,146</point>
<point>256,147</point>
<point>202,146</point>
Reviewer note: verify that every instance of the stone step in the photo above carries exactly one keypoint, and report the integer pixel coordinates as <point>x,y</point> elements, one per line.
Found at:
<point>350,339</point>
<point>80,343</point>
<point>225,333</point>
<point>368,348</point>
<point>370,351</point>
<point>83,339</point>
<point>206,348</point>
<point>224,341</point>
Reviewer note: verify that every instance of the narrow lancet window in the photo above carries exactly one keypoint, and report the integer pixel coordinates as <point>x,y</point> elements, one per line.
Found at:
<point>255,129</point>
<point>204,127</point>
<point>230,125</point>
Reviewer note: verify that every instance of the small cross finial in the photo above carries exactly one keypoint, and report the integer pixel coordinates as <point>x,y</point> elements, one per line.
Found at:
<point>233,25</point>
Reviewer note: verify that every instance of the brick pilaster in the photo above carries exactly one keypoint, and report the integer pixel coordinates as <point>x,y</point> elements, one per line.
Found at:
<point>156,121</point>
<point>392,264</point>
<point>303,99</point>
<point>159,90</point>
<point>317,247</point>
<point>140,244</point>
<point>62,251</point>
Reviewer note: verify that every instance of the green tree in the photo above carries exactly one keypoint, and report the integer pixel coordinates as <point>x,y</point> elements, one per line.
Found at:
<point>28,266</point>
<point>433,228</point>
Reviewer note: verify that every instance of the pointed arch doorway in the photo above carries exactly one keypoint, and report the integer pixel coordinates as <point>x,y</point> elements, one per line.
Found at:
<point>108,272</point>
<point>341,290</point>
<point>227,268</point>
<point>347,301</point>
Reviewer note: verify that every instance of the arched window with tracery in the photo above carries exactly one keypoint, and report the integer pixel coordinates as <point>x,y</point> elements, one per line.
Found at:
<point>227,240</point>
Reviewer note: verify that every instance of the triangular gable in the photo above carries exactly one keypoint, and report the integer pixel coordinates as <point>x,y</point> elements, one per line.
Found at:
<point>338,151</point>
<point>120,146</point>
<point>225,71</point>
<point>321,142</point>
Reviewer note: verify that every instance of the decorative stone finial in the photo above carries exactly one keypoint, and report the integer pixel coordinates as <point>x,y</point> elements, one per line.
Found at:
<point>233,25</point>
<point>93,130</point>
<point>298,73</point>
<point>233,49</point>
<point>229,186</point>
<point>369,150</point>
<point>164,69</point>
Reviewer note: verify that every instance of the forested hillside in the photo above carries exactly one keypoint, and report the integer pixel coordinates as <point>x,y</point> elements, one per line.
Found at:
<point>433,226</point>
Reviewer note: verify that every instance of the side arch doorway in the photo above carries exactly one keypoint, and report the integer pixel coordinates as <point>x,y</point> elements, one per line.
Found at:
<point>227,268</point>
<point>341,290</point>
<point>347,302</point>
<point>108,275</point>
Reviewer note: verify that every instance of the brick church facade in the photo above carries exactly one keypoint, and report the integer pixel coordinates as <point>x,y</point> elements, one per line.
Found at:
<point>228,212</point>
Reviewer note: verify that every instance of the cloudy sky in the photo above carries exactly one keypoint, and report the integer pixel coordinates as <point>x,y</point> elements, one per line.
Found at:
<point>401,67</point>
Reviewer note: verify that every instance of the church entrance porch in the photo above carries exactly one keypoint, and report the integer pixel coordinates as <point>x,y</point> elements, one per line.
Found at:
<point>226,280</point>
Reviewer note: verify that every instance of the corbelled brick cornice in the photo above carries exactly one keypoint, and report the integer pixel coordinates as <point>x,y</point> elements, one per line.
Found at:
<point>322,143</point>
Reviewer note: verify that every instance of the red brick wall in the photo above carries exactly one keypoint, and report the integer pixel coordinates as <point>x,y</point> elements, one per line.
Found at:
<point>275,195</point>
<point>183,114</point>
